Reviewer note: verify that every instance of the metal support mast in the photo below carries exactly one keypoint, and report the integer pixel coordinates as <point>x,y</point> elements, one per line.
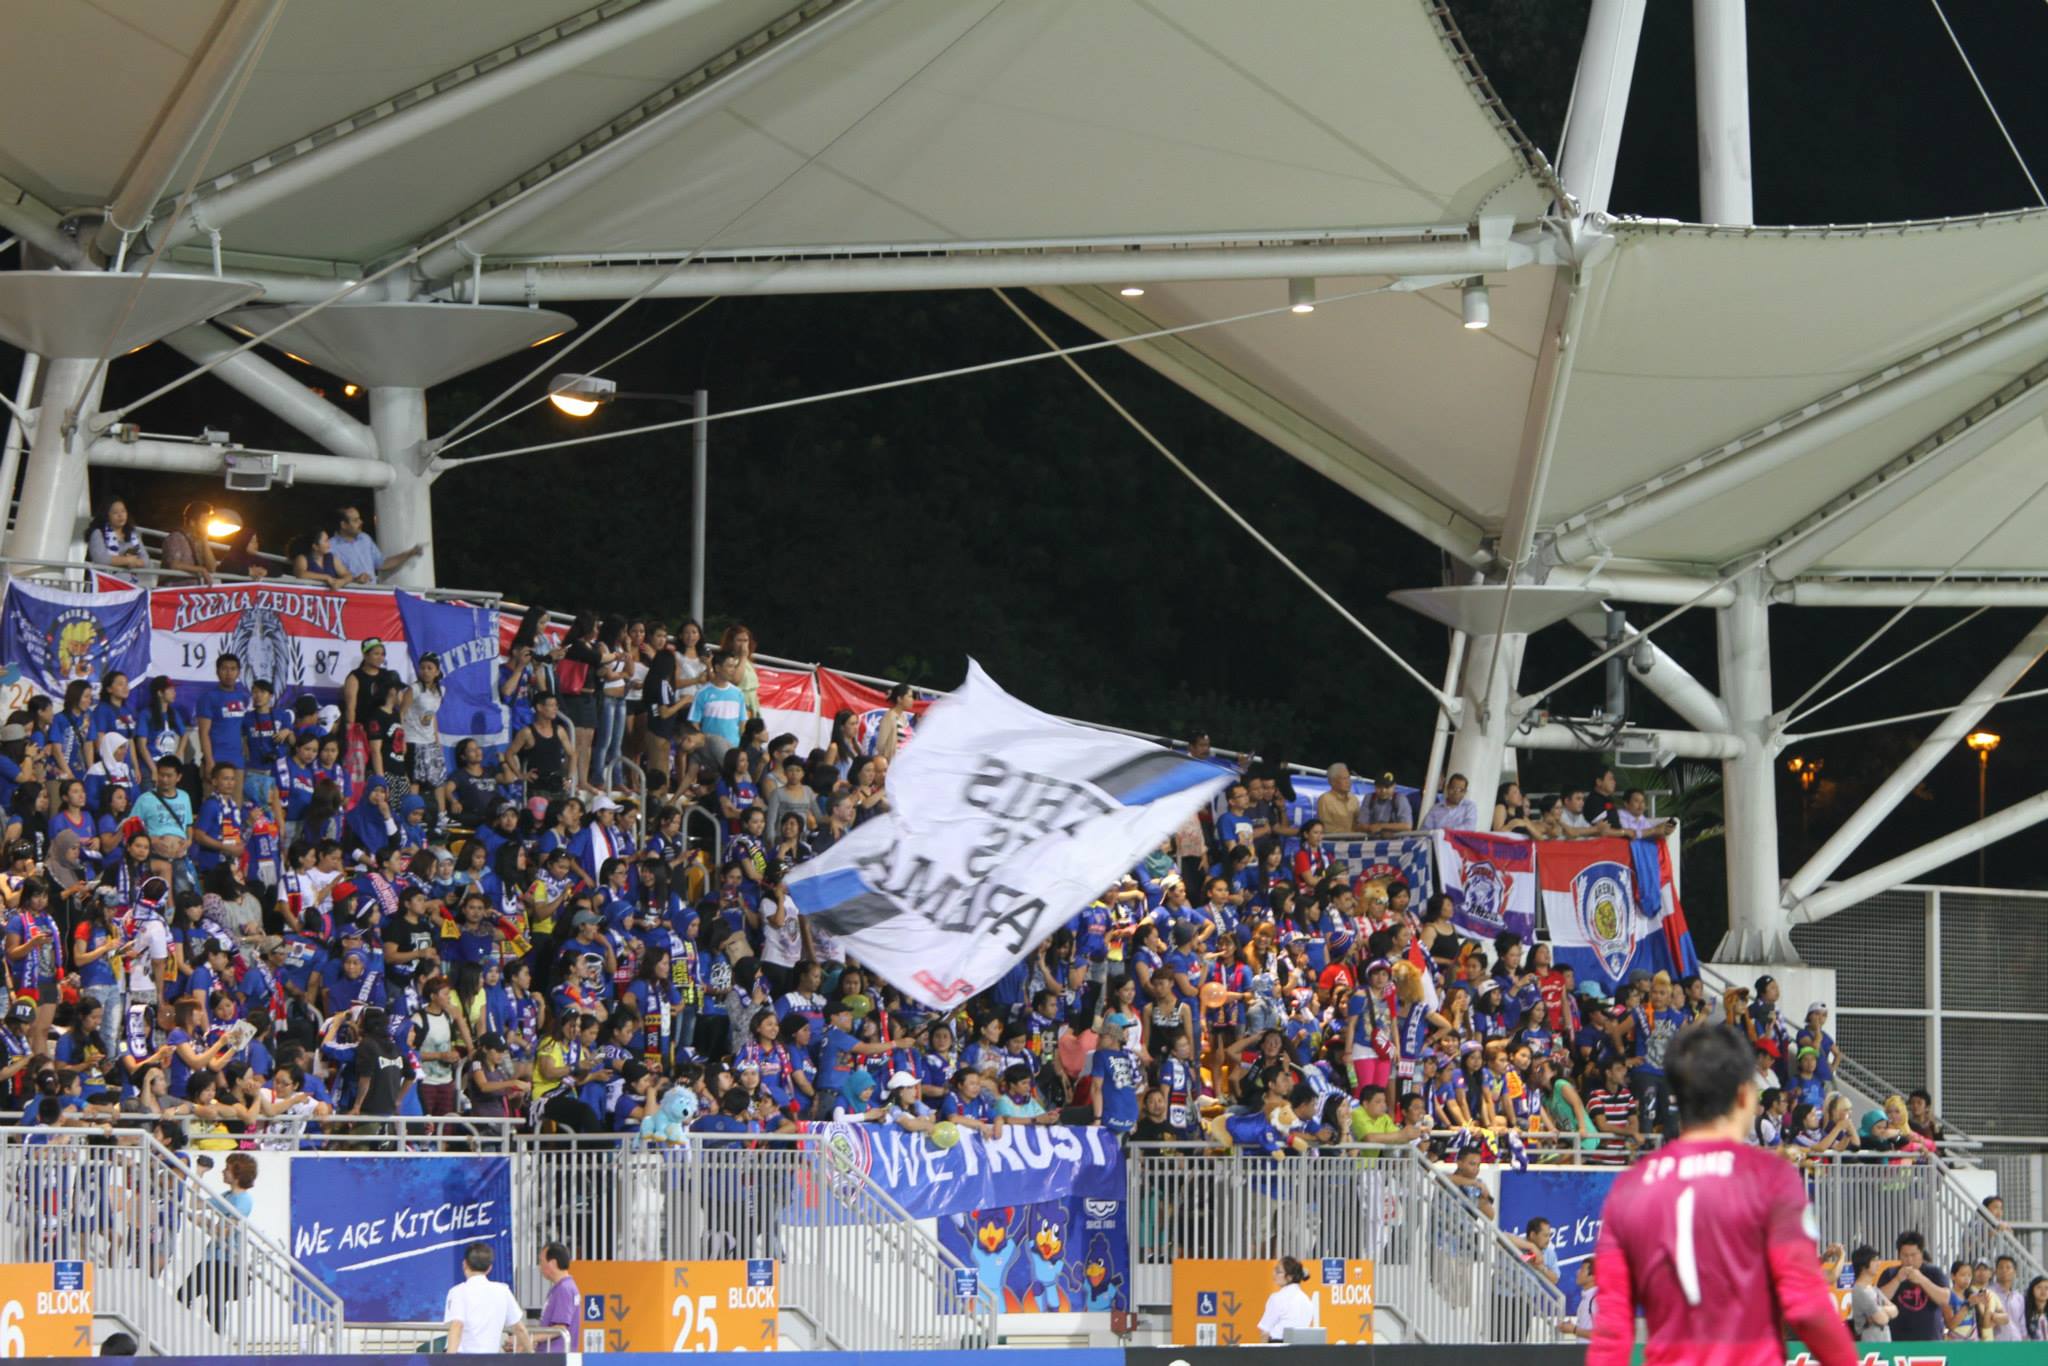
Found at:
<point>1758,930</point>
<point>405,509</point>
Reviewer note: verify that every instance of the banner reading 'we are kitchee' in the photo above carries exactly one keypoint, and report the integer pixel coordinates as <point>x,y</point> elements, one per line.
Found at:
<point>298,637</point>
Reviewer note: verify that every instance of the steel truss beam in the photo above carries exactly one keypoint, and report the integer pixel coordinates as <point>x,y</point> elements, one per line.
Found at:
<point>704,91</point>
<point>1917,766</point>
<point>1941,454</point>
<point>1916,863</point>
<point>488,80</point>
<point>1683,743</point>
<point>2019,333</point>
<point>1599,104</point>
<point>191,457</point>
<point>237,30</point>
<point>991,270</point>
<point>257,379</point>
<point>1693,700</point>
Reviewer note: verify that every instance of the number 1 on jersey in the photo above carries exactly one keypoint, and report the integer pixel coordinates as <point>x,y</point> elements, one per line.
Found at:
<point>1688,1260</point>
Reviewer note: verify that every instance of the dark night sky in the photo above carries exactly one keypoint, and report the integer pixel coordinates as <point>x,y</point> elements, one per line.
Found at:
<point>1013,517</point>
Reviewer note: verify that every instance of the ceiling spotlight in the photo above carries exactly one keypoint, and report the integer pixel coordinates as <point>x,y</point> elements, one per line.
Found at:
<point>1301,295</point>
<point>1478,306</point>
<point>351,390</point>
<point>580,395</point>
<point>1132,291</point>
<point>222,523</point>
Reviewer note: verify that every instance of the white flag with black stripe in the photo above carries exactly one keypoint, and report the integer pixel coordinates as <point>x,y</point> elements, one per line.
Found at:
<point>1004,823</point>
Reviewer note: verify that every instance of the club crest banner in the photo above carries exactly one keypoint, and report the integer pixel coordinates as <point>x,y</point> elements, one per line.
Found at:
<point>1611,908</point>
<point>57,637</point>
<point>1004,823</point>
<point>1491,880</point>
<point>300,637</point>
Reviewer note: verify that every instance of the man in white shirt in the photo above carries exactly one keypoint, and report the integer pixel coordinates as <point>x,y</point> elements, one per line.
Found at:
<point>1456,811</point>
<point>480,1311</point>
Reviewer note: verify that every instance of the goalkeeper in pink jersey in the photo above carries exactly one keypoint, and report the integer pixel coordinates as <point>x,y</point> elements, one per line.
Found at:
<point>1710,1237</point>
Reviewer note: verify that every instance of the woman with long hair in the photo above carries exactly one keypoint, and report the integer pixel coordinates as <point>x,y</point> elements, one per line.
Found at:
<point>72,815</point>
<point>2034,1327</point>
<point>579,677</point>
<point>426,761</point>
<point>164,722</point>
<point>662,694</point>
<point>112,542</point>
<point>614,675</point>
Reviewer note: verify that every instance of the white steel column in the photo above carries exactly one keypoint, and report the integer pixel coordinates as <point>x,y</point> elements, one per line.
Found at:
<point>1694,702</point>
<point>44,523</point>
<point>1757,925</point>
<point>405,510</point>
<point>1479,749</point>
<point>16,440</point>
<point>1720,36</point>
<point>1439,740</point>
<point>1592,133</point>
<point>1907,776</point>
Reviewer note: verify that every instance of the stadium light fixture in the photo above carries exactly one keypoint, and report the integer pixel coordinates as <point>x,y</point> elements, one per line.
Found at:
<point>222,523</point>
<point>581,395</point>
<point>1301,295</point>
<point>1478,305</point>
<point>1132,291</point>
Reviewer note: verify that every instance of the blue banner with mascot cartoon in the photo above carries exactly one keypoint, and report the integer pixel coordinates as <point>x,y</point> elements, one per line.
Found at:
<point>1054,1257</point>
<point>58,637</point>
<point>1037,1212</point>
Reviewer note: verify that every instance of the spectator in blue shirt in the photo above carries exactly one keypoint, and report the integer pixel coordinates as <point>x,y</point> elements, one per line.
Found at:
<point>217,835</point>
<point>968,1105</point>
<point>719,708</point>
<point>222,711</point>
<point>1115,1095</point>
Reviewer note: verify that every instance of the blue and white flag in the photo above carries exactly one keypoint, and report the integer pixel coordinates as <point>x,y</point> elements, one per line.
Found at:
<point>1003,824</point>
<point>1398,858</point>
<point>466,641</point>
<point>57,637</point>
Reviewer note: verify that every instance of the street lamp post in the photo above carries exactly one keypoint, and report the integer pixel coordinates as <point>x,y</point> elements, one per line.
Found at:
<point>581,395</point>
<point>1983,742</point>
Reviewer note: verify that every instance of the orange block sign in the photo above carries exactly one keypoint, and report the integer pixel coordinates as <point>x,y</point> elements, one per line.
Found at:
<point>1218,1303</point>
<point>46,1309</point>
<point>678,1306</point>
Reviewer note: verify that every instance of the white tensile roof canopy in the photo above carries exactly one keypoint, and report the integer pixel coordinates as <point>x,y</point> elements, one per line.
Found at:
<point>1654,407</point>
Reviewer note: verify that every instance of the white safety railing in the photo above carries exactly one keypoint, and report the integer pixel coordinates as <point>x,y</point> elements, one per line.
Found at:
<point>1439,1265</point>
<point>167,1255</point>
<point>855,1267</point>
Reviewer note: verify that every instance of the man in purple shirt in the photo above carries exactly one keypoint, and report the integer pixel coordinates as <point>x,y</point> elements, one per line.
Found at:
<point>564,1307</point>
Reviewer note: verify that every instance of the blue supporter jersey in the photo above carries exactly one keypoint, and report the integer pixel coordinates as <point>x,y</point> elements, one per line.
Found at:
<point>226,710</point>
<point>1116,1076</point>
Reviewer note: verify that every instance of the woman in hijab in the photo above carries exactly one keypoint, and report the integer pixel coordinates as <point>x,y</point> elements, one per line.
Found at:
<point>372,825</point>
<point>110,770</point>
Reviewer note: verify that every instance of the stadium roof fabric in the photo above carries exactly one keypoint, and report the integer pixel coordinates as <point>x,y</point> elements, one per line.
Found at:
<point>1727,391</point>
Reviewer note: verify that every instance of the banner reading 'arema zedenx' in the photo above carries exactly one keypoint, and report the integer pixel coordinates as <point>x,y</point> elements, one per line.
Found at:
<point>298,637</point>
<point>1004,822</point>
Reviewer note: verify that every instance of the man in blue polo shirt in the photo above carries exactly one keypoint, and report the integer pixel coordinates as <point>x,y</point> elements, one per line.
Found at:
<point>222,710</point>
<point>218,834</point>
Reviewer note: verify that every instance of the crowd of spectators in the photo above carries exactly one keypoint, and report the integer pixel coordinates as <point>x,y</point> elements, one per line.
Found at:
<point>249,915</point>
<point>250,921</point>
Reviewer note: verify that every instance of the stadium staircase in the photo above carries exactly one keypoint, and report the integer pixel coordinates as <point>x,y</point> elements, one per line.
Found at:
<point>159,1244</point>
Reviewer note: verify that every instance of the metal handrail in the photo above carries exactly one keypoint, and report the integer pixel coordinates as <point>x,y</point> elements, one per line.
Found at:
<point>1439,1264</point>
<point>167,1254</point>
